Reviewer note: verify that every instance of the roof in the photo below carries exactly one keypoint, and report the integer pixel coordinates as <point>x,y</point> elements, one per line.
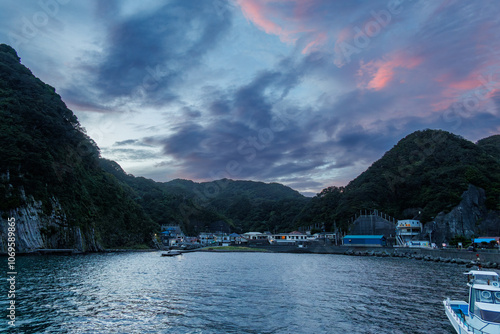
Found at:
<point>364,236</point>
<point>481,272</point>
<point>234,235</point>
<point>479,240</point>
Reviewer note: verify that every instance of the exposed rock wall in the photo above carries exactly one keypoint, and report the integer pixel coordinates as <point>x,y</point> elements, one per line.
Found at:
<point>37,230</point>
<point>469,218</point>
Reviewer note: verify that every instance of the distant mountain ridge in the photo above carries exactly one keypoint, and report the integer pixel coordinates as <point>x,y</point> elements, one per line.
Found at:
<point>225,204</point>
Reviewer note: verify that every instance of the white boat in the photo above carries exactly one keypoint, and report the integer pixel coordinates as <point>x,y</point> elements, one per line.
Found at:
<point>171,253</point>
<point>481,315</point>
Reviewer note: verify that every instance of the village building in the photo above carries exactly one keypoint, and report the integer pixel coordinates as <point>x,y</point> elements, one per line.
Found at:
<point>365,240</point>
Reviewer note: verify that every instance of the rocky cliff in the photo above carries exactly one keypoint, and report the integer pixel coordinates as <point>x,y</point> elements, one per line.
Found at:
<point>35,229</point>
<point>470,218</point>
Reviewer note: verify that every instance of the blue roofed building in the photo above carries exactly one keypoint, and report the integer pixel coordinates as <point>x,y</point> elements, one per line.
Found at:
<point>365,240</point>
<point>486,240</point>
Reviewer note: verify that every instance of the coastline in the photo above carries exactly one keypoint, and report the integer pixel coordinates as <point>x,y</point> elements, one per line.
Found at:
<point>489,260</point>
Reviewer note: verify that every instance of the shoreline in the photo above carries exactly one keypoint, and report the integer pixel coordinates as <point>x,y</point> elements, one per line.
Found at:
<point>487,259</point>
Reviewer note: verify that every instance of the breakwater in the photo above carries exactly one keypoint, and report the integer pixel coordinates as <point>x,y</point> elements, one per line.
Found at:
<point>469,259</point>
<point>463,257</point>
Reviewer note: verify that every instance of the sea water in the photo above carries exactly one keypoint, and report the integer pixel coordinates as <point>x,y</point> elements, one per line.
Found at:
<point>231,293</point>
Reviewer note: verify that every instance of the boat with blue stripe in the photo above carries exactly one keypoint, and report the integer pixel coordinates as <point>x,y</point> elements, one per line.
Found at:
<point>481,314</point>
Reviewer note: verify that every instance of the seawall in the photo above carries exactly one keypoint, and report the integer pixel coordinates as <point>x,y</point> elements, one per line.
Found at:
<point>489,259</point>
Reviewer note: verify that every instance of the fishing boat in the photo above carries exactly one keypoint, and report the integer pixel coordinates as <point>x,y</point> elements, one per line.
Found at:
<point>481,315</point>
<point>171,253</point>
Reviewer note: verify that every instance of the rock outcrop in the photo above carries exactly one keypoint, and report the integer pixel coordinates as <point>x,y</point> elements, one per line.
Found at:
<point>470,218</point>
<point>36,229</point>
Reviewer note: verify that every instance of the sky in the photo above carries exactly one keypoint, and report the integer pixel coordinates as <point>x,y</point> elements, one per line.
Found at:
<point>307,93</point>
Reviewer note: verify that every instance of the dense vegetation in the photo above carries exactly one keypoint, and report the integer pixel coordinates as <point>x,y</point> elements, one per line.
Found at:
<point>225,205</point>
<point>46,155</point>
<point>426,172</point>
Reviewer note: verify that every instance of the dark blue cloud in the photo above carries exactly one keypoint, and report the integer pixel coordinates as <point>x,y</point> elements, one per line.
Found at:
<point>146,54</point>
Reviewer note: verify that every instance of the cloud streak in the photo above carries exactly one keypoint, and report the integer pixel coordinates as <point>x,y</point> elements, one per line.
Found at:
<point>307,93</point>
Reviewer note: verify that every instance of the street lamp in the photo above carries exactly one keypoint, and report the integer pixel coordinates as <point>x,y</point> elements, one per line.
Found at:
<point>461,220</point>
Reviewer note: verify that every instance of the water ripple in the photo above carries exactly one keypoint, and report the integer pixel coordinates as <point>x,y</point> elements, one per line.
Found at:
<point>233,293</point>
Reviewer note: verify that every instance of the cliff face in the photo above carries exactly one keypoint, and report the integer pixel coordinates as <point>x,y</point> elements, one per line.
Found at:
<point>470,218</point>
<point>37,230</point>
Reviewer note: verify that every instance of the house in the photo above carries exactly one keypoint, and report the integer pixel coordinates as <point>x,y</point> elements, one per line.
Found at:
<point>171,235</point>
<point>407,230</point>
<point>365,240</point>
<point>222,239</point>
<point>287,238</point>
<point>325,235</point>
<point>206,238</point>
<point>235,239</point>
<point>255,238</point>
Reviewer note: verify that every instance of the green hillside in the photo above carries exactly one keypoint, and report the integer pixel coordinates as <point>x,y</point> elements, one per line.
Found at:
<point>491,145</point>
<point>426,172</point>
<point>46,156</point>
<point>218,205</point>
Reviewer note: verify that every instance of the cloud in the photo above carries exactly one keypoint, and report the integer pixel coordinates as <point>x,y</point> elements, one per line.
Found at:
<point>129,154</point>
<point>131,142</point>
<point>262,89</point>
<point>377,74</point>
<point>147,54</point>
<point>255,11</point>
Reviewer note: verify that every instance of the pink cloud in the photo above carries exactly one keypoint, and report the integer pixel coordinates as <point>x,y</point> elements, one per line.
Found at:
<point>255,11</point>
<point>377,74</point>
<point>289,25</point>
<point>319,40</point>
<point>475,88</point>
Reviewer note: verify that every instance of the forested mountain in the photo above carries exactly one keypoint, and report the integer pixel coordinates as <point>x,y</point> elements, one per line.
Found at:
<point>491,146</point>
<point>426,172</point>
<point>50,178</point>
<point>226,205</point>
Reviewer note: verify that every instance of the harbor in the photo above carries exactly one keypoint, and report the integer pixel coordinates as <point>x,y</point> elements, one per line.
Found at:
<point>255,292</point>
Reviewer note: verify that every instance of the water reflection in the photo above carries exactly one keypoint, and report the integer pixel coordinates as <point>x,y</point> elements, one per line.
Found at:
<point>233,293</point>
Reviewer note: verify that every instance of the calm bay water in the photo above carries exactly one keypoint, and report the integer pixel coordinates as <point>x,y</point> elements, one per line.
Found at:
<point>231,293</point>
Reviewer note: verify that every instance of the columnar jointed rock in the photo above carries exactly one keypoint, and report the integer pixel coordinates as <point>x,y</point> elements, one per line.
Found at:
<point>37,230</point>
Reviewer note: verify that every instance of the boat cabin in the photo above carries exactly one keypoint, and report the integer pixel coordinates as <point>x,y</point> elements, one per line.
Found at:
<point>484,296</point>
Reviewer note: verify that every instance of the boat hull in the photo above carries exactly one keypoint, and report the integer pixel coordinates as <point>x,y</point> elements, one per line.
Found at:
<point>456,320</point>
<point>171,254</point>
<point>458,314</point>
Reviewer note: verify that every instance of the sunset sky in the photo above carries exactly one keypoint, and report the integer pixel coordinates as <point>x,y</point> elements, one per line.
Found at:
<point>308,93</point>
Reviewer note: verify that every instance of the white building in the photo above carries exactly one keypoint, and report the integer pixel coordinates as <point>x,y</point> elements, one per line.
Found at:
<point>287,238</point>
<point>254,236</point>
<point>406,230</point>
<point>206,238</point>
